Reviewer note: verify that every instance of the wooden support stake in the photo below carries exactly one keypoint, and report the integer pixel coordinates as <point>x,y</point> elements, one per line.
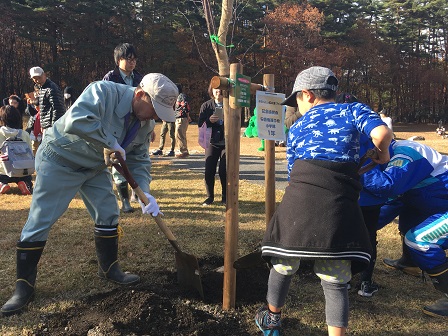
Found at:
<point>232,126</point>
<point>223,83</point>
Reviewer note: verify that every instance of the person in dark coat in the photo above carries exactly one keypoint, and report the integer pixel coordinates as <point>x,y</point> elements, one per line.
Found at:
<point>125,58</point>
<point>50,98</point>
<point>69,97</point>
<point>216,151</point>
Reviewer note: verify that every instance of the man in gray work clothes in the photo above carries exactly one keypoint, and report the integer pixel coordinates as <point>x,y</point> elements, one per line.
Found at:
<point>108,117</point>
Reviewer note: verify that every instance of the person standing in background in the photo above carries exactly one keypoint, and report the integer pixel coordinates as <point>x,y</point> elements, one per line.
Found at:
<point>182,121</point>
<point>125,58</point>
<point>33,125</point>
<point>167,127</point>
<point>50,99</point>
<point>69,97</point>
<point>216,151</point>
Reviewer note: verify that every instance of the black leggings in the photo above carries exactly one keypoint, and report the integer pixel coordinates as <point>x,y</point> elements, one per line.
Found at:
<point>6,179</point>
<point>371,215</point>
<point>213,154</point>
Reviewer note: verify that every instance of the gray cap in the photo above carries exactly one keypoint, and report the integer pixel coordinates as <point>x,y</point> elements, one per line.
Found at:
<point>314,78</point>
<point>163,93</point>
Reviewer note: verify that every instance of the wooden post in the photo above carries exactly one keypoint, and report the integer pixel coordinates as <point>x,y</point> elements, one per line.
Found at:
<point>269,164</point>
<point>232,127</point>
<point>223,83</point>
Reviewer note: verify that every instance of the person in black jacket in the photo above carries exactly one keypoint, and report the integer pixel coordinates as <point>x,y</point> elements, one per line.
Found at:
<point>125,58</point>
<point>216,151</point>
<point>50,100</point>
<point>69,97</point>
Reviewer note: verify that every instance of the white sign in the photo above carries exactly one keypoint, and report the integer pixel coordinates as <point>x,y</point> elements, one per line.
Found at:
<point>270,115</point>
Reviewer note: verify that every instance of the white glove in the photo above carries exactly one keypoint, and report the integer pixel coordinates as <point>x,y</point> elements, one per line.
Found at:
<point>32,136</point>
<point>109,158</point>
<point>152,208</point>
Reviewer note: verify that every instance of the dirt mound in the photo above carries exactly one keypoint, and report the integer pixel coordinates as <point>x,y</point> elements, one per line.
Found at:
<point>158,306</point>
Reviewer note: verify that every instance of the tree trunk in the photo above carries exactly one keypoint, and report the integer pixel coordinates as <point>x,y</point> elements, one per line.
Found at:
<point>220,50</point>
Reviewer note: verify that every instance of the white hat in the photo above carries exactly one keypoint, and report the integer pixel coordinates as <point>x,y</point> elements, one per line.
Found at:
<point>36,71</point>
<point>163,93</point>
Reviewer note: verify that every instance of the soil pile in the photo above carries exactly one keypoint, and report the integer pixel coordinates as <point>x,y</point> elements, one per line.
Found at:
<point>159,306</point>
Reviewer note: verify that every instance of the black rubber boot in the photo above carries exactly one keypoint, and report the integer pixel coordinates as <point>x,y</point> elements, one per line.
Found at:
<point>439,278</point>
<point>106,243</point>
<point>28,255</point>
<point>404,263</point>
<point>123,193</point>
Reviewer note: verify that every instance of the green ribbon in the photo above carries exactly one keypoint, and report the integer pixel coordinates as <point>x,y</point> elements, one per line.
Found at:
<point>215,39</point>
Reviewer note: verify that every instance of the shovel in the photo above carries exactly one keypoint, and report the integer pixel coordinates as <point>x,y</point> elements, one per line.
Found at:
<point>188,272</point>
<point>370,154</point>
<point>254,258</point>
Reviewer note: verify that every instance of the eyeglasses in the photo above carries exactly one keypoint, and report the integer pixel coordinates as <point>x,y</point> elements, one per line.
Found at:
<point>130,59</point>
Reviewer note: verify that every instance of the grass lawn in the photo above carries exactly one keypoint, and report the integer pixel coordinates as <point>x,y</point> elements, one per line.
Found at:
<point>67,270</point>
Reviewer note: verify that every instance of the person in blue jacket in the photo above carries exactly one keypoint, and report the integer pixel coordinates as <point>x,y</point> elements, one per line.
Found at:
<point>414,186</point>
<point>371,211</point>
<point>370,208</point>
<point>107,118</point>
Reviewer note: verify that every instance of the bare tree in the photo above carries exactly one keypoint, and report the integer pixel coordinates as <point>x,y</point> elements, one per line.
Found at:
<point>219,41</point>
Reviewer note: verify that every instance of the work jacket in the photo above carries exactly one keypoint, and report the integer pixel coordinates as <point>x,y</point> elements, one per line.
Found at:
<point>97,120</point>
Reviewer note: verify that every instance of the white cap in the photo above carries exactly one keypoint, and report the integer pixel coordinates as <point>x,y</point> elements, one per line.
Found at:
<point>36,71</point>
<point>163,93</point>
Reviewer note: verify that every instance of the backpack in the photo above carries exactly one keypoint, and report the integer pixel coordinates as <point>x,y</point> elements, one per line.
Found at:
<point>16,157</point>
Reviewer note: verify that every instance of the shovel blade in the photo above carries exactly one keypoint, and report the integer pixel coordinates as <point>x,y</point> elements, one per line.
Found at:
<point>188,272</point>
<point>250,260</point>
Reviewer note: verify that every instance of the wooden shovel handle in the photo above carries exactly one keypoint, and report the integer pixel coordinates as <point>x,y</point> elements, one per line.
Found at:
<point>371,153</point>
<point>123,169</point>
